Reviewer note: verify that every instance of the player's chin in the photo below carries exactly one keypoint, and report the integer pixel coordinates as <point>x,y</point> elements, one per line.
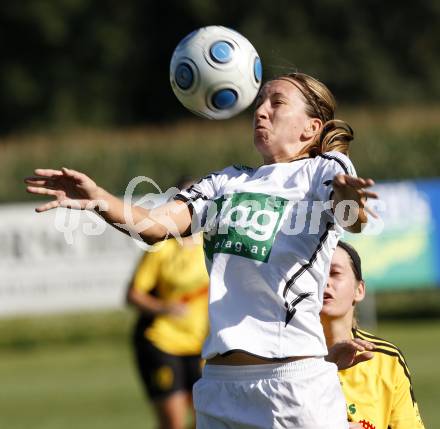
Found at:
<point>261,141</point>
<point>328,309</point>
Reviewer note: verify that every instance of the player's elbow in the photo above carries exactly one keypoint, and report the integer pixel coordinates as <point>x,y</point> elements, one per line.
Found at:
<point>154,235</point>
<point>129,298</point>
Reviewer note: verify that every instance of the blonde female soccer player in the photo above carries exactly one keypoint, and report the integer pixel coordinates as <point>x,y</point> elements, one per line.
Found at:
<point>378,392</point>
<point>270,233</point>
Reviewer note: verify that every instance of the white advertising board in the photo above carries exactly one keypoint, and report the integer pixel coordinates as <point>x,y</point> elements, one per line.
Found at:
<point>61,261</point>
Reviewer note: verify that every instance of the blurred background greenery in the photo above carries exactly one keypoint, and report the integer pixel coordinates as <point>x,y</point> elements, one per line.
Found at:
<point>391,143</point>
<point>82,61</point>
<point>85,84</point>
<point>88,86</point>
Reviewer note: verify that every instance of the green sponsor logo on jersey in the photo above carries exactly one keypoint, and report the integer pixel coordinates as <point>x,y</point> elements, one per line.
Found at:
<point>245,225</point>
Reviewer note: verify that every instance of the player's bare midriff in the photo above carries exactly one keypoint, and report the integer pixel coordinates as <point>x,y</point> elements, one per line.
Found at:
<point>243,358</point>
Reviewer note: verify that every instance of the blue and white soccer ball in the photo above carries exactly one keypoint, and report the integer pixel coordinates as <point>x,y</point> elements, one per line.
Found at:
<point>215,72</point>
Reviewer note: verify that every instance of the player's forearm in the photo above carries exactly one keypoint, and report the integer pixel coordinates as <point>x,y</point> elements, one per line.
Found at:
<point>146,303</point>
<point>360,222</point>
<point>128,218</point>
<point>349,212</point>
<point>349,197</point>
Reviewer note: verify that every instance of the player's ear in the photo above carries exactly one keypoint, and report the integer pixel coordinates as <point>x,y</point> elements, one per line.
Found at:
<point>359,293</point>
<point>312,127</point>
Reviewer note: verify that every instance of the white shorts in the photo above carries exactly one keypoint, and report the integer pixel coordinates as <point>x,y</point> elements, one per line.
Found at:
<point>304,394</point>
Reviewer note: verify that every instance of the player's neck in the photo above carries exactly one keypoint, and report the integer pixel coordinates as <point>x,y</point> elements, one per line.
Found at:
<point>283,159</point>
<point>286,153</point>
<point>337,329</point>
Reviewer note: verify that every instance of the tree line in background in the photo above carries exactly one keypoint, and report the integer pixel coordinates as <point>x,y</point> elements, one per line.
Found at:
<point>99,63</point>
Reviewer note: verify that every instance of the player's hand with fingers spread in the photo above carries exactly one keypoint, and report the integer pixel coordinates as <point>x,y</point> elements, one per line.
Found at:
<point>353,189</point>
<point>69,188</point>
<point>346,354</point>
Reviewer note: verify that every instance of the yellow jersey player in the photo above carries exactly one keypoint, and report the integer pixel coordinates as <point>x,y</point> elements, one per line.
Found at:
<point>378,392</point>
<point>170,289</point>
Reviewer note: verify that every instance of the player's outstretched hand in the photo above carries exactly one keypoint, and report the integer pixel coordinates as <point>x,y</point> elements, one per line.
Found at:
<point>346,354</point>
<point>69,188</point>
<point>350,188</point>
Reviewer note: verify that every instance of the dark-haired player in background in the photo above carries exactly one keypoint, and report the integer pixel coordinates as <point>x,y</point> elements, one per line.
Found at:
<point>378,392</point>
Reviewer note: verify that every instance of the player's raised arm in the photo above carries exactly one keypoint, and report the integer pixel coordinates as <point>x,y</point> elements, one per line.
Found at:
<point>75,190</point>
<point>353,189</point>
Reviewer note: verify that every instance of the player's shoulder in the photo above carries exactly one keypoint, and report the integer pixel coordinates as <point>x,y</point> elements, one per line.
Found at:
<point>238,170</point>
<point>151,258</point>
<point>229,172</point>
<point>381,343</point>
<point>243,168</point>
<point>337,160</point>
<point>161,249</point>
<point>385,350</point>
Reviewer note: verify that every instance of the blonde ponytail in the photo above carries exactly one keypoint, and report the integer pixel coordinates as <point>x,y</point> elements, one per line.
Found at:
<point>335,135</point>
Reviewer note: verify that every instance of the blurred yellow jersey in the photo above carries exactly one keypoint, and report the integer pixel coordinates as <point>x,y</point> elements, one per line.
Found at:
<point>178,275</point>
<point>378,392</point>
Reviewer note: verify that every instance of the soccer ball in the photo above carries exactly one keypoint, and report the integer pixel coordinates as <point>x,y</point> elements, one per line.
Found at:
<point>215,72</point>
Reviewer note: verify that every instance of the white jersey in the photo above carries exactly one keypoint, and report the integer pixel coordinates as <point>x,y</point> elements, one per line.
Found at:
<point>269,236</point>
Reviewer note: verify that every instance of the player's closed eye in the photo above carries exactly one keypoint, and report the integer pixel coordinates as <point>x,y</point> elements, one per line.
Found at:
<point>277,99</point>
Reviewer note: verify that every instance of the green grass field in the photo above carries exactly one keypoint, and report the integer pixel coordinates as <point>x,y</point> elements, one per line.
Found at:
<point>76,371</point>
